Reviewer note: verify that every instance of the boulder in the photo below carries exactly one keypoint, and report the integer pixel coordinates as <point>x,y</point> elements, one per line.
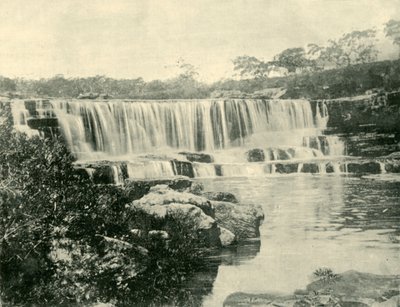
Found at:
<point>220,196</point>
<point>198,157</point>
<point>286,168</point>
<point>138,188</point>
<point>226,237</point>
<point>242,220</point>
<point>255,155</point>
<point>203,224</point>
<point>163,195</point>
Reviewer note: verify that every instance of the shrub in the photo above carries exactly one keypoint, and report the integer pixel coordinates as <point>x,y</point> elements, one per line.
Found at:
<point>65,240</point>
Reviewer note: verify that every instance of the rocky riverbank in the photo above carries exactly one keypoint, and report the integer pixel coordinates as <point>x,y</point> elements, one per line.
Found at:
<point>350,288</point>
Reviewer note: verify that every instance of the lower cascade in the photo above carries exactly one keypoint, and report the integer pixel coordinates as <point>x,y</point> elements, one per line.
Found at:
<point>197,138</point>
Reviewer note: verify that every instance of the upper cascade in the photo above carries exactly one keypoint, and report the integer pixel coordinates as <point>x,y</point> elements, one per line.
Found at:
<point>117,128</point>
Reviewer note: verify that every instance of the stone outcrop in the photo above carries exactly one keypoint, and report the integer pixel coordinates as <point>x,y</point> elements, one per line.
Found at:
<point>220,223</point>
<point>350,288</point>
<point>163,195</point>
<point>138,188</point>
<point>220,196</point>
<point>242,220</point>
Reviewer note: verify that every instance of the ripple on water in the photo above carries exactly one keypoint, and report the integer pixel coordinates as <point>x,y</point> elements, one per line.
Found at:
<point>312,221</point>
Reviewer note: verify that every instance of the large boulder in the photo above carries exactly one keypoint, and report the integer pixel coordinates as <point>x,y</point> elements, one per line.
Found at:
<point>163,195</point>
<point>138,188</point>
<point>220,196</point>
<point>205,226</point>
<point>242,220</point>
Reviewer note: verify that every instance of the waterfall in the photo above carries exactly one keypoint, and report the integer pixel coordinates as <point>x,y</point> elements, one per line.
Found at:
<point>120,127</point>
<point>20,118</point>
<point>279,131</point>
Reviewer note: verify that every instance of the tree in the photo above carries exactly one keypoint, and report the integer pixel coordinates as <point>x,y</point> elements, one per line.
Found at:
<point>249,66</point>
<point>357,47</point>
<point>292,59</point>
<point>314,52</point>
<point>392,30</point>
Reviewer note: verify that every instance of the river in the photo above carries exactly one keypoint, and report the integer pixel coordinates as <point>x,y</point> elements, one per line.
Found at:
<point>312,221</point>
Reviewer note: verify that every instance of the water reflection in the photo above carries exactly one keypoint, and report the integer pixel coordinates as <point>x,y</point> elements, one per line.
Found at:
<point>312,221</point>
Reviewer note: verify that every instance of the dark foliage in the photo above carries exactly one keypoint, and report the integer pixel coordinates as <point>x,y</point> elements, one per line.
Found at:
<point>65,240</point>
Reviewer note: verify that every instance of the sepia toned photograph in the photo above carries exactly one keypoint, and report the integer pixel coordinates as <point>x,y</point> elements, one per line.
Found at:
<point>200,153</point>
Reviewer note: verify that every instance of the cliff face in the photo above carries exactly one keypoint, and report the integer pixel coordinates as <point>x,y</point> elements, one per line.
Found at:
<point>369,124</point>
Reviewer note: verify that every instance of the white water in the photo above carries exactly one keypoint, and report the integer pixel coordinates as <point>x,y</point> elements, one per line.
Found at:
<point>119,128</point>
<point>20,117</point>
<point>226,129</point>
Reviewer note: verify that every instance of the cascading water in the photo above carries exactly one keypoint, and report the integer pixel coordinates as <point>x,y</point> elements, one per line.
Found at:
<point>284,130</point>
<point>119,128</point>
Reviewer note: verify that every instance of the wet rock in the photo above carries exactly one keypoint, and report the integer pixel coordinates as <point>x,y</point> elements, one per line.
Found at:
<point>330,168</point>
<point>310,168</point>
<point>226,237</point>
<point>255,155</point>
<point>286,168</point>
<point>353,285</point>
<point>391,302</point>
<point>163,195</point>
<point>37,123</point>
<point>197,188</point>
<point>204,225</point>
<point>218,170</point>
<point>263,299</point>
<point>392,167</point>
<point>242,220</point>
<point>351,289</point>
<point>279,154</point>
<point>198,157</point>
<point>364,168</point>
<point>104,174</point>
<point>183,168</point>
<point>138,188</point>
<point>220,196</point>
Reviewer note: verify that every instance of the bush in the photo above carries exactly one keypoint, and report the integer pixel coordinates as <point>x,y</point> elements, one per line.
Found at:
<point>65,240</point>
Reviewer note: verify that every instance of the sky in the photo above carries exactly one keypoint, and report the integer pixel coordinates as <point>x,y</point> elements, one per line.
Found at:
<point>145,38</point>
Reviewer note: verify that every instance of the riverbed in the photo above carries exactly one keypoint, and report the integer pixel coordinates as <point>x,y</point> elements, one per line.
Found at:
<point>312,221</point>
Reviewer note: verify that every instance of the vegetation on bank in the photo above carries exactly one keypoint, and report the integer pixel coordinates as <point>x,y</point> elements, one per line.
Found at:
<point>345,66</point>
<point>342,82</point>
<point>65,240</point>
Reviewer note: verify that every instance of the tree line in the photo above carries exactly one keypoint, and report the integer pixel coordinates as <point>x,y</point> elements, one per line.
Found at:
<point>351,49</point>
<point>356,47</point>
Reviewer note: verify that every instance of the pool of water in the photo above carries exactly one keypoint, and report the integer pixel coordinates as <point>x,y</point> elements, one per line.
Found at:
<point>312,221</point>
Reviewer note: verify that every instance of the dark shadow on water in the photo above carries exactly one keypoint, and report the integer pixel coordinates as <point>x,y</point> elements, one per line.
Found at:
<point>201,282</point>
